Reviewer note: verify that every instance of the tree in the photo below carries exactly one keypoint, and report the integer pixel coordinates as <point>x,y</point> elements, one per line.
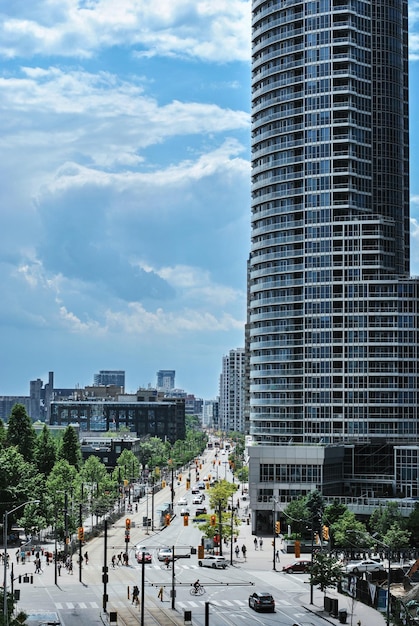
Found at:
<point>19,482</point>
<point>325,571</point>
<point>298,515</point>
<point>60,487</point>
<point>20,432</point>
<point>69,448</point>
<point>45,451</point>
<point>396,538</point>
<point>3,434</point>
<point>315,506</point>
<point>412,524</point>
<point>384,517</point>
<point>349,533</point>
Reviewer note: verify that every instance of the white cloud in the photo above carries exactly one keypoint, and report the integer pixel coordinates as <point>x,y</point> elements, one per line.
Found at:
<point>213,31</point>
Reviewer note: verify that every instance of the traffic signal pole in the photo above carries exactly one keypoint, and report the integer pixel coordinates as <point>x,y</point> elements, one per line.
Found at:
<point>80,537</point>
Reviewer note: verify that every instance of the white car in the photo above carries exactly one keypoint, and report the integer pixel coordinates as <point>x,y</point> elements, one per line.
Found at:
<point>198,500</point>
<point>182,502</point>
<point>210,560</point>
<point>165,553</point>
<point>368,565</point>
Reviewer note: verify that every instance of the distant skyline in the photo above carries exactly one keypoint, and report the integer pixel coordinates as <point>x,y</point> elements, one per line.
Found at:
<point>125,195</point>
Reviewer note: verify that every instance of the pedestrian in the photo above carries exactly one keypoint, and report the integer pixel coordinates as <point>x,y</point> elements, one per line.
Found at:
<point>17,555</point>
<point>113,561</point>
<point>277,559</point>
<point>38,566</point>
<point>160,594</point>
<point>59,568</point>
<point>256,543</point>
<point>237,551</point>
<point>260,543</point>
<point>70,566</point>
<point>86,557</point>
<point>135,594</point>
<point>244,550</point>
<point>119,559</point>
<point>136,507</point>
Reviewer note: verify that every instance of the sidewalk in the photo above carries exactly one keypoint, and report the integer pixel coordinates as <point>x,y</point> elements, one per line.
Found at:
<point>358,614</point>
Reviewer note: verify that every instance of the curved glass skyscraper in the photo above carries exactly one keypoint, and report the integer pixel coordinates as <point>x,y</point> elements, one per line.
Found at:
<point>332,333</point>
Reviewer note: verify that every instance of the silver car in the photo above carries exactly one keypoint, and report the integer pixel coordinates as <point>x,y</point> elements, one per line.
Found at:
<point>367,565</point>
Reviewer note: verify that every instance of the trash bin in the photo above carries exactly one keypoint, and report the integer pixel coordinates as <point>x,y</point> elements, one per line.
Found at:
<point>343,614</point>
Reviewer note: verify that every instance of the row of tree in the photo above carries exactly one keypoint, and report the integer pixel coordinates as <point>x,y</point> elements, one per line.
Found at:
<point>51,470</point>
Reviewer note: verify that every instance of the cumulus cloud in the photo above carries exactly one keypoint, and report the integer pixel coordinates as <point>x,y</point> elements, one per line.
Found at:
<point>211,31</point>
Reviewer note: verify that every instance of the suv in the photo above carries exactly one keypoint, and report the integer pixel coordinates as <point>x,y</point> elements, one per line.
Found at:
<point>198,499</point>
<point>210,560</point>
<point>262,601</point>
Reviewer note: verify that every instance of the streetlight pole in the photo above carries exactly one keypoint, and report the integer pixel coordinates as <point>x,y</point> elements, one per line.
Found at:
<point>274,534</point>
<point>5,521</point>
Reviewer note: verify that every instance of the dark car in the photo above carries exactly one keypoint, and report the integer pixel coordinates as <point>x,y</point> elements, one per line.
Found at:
<point>297,566</point>
<point>262,601</point>
<point>200,510</point>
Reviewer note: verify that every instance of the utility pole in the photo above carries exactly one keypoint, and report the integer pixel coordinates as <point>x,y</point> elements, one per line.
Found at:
<point>173,578</point>
<point>105,567</point>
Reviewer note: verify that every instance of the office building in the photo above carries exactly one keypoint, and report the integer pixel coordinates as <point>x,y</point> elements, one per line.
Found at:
<point>110,377</point>
<point>231,411</point>
<point>166,380</point>
<point>332,334</point>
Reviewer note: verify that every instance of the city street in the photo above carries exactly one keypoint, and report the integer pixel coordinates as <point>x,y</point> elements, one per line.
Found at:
<point>72,602</point>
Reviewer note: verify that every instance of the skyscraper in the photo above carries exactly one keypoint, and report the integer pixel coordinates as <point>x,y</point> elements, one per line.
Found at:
<point>110,377</point>
<point>332,334</point>
<point>231,416</point>
<point>166,380</point>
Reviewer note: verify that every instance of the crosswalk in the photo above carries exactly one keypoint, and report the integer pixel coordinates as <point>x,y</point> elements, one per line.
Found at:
<point>62,606</point>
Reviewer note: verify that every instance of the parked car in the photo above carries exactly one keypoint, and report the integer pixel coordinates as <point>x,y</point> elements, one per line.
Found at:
<point>185,512</point>
<point>200,510</point>
<point>367,565</point>
<point>299,565</point>
<point>262,601</point>
<point>182,502</point>
<point>210,560</point>
<point>147,557</point>
<point>165,553</point>
<point>198,500</point>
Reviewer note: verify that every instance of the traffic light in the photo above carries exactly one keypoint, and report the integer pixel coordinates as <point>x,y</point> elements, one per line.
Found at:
<point>186,520</point>
<point>278,527</point>
<point>213,520</point>
<point>80,533</point>
<point>167,519</point>
<point>188,483</point>
<point>127,523</point>
<point>325,530</point>
<point>163,484</point>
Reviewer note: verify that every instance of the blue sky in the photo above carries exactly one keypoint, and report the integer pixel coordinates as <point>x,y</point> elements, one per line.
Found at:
<point>125,191</point>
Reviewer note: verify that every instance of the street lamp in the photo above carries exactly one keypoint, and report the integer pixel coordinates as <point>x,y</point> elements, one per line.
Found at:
<point>5,518</point>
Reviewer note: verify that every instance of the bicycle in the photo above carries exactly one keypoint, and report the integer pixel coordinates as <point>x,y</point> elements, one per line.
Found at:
<point>197,591</point>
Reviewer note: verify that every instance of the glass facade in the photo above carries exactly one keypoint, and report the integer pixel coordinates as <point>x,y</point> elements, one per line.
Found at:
<point>332,335</point>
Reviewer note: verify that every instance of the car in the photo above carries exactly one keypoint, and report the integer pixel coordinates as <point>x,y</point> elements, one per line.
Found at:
<point>195,489</point>
<point>262,601</point>
<point>211,560</point>
<point>165,553</point>
<point>200,510</point>
<point>298,565</point>
<point>147,557</point>
<point>182,502</point>
<point>367,565</point>
<point>205,479</point>
<point>197,500</point>
<point>201,485</point>
<point>185,512</point>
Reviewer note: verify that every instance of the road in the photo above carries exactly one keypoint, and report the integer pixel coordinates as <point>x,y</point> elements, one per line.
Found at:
<point>73,602</point>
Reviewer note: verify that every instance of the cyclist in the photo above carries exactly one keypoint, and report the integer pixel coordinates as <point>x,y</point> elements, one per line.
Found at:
<point>197,585</point>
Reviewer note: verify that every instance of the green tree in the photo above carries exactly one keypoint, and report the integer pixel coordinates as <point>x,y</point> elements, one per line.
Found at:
<point>315,506</point>
<point>383,517</point>
<point>219,498</point>
<point>61,486</point>
<point>69,448</point>
<point>349,533</point>
<point>3,434</point>
<point>396,538</point>
<point>298,515</point>
<point>45,451</point>
<point>21,433</point>
<point>412,525</point>
<point>19,482</point>
<point>129,465</point>
<point>325,571</point>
